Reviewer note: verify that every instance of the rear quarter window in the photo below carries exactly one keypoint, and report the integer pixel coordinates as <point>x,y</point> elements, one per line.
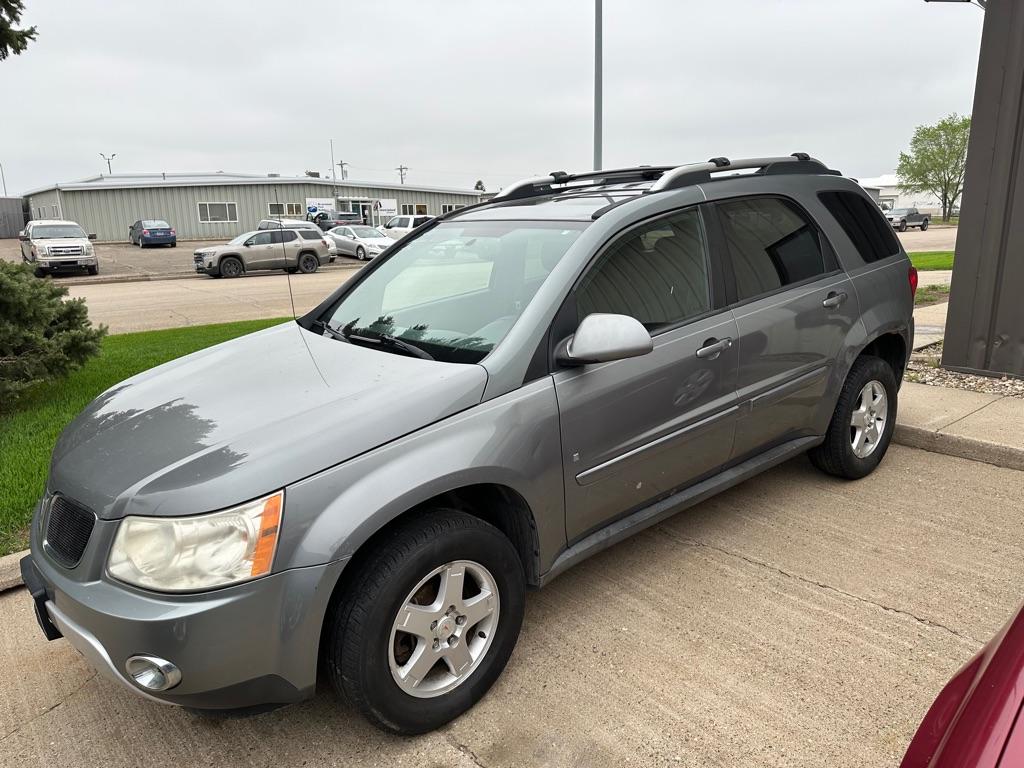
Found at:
<point>863,223</point>
<point>310,234</point>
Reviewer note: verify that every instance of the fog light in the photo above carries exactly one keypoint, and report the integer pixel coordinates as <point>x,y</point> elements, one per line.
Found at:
<point>152,672</point>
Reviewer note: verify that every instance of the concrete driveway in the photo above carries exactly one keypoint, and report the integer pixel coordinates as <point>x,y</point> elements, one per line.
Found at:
<point>937,238</point>
<point>796,620</point>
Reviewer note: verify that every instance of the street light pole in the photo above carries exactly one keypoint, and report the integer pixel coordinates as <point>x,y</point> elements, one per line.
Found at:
<point>3,178</point>
<point>597,84</point>
<point>334,178</point>
<point>108,159</point>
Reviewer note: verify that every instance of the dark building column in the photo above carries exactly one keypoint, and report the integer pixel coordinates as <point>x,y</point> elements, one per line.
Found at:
<point>985,324</point>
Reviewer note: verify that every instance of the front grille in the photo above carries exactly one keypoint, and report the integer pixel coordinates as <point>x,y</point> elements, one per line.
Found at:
<point>68,528</point>
<point>65,250</point>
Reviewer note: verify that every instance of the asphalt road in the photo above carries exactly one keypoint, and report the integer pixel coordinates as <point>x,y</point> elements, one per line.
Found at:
<point>796,620</point>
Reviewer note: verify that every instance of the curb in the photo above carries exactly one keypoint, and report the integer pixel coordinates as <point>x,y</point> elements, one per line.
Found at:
<point>911,437</point>
<point>150,278</point>
<point>962,447</point>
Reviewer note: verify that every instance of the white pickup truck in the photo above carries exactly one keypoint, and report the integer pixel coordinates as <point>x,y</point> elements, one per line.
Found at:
<point>53,245</point>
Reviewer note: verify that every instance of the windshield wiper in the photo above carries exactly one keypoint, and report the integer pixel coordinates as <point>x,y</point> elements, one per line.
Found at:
<point>384,340</point>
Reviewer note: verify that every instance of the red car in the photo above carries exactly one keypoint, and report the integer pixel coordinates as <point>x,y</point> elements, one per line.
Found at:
<point>978,719</point>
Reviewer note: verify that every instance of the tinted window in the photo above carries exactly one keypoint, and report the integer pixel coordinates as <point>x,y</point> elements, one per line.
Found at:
<point>263,238</point>
<point>863,223</point>
<point>656,273</point>
<point>771,245</point>
<point>282,236</point>
<point>310,234</point>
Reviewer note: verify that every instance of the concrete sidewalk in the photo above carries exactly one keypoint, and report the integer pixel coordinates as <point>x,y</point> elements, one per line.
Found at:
<point>929,324</point>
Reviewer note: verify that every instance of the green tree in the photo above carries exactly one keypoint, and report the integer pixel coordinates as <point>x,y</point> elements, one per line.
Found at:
<point>480,185</point>
<point>42,335</point>
<point>12,39</point>
<point>936,161</point>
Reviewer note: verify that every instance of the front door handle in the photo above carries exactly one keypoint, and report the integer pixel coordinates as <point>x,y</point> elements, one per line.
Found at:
<point>713,348</point>
<point>833,300</point>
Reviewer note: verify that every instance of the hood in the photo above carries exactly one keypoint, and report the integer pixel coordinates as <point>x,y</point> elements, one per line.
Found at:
<point>245,418</point>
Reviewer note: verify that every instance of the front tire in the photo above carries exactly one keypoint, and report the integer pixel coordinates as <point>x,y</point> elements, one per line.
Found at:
<point>361,253</point>
<point>231,267</point>
<point>903,226</point>
<point>429,622</point>
<point>924,225</point>
<point>863,422</point>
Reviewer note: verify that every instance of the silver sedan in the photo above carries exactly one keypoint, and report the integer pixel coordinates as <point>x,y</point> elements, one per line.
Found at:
<point>359,241</point>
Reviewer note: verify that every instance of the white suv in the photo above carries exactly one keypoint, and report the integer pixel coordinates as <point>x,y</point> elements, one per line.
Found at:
<point>53,245</point>
<point>400,226</point>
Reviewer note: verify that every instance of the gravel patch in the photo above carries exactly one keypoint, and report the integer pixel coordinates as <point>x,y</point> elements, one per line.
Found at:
<point>924,369</point>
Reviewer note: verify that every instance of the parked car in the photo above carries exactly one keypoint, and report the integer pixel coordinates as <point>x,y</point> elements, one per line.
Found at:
<point>286,224</point>
<point>331,219</point>
<point>359,241</point>
<point>293,250</point>
<point>54,245</point>
<point>977,721</point>
<point>368,491</point>
<point>400,226</point>
<point>902,218</point>
<point>152,232</point>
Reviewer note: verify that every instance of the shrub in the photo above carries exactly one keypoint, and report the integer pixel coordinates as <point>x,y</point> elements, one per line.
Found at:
<point>42,335</point>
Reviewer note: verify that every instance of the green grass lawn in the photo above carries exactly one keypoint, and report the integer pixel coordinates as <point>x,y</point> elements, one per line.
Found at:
<point>931,294</point>
<point>931,260</point>
<point>27,435</point>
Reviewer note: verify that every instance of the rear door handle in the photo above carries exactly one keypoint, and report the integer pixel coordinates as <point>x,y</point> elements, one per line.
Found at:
<point>713,348</point>
<point>833,300</point>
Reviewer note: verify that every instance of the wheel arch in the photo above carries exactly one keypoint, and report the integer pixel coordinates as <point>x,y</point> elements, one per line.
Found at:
<point>221,257</point>
<point>890,346</point>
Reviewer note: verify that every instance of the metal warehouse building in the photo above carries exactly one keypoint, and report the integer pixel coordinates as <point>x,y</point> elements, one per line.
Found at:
<point>210,206</point>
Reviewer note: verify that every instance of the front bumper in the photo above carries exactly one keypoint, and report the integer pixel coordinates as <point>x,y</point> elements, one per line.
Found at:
<point>249,645</point>
<point>56,264</point>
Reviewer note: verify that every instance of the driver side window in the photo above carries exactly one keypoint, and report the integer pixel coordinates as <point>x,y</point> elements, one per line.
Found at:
<point>656,272</point>
<point>263,238</point>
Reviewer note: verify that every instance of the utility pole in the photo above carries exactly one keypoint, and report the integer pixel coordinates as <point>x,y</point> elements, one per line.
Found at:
<point>3,178</point>
<point>597,84</point>
<point>108,159</point>
<point>334,179</point>
<point>342,164</point>
<point>401,171</point>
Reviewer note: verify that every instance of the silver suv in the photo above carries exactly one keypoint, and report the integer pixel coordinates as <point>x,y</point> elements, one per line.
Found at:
<point>369,491</point>
<point>293,250</point>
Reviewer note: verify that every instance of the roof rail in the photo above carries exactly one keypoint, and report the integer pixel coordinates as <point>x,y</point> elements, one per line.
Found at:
<point>697,173</point>
<point>542,185</point>
<point>665,177</point>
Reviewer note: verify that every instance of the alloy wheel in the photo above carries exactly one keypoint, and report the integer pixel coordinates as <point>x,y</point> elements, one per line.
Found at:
<point>869,418</point>
<point>444,629</point>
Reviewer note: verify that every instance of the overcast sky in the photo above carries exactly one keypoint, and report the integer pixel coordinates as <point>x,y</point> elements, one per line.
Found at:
<point>465,89</point>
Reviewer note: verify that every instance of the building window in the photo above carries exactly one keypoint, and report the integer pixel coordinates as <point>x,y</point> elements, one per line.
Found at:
<point>284,209</point>
<point>449,207</point>
<point>212,213</point>
<point>421,209</point>
<point>55,214</point>
<point>408,209</point>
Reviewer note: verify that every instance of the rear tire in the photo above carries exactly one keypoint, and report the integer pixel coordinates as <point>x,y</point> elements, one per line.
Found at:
<point>868,394</point>
<point>231,266</point>
<point>308,263</point>
<point>373,663</point>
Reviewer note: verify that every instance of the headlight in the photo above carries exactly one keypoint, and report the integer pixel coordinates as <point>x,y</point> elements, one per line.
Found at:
<point>88,249</point>
<point>41,250</point>
<point>182,554</point>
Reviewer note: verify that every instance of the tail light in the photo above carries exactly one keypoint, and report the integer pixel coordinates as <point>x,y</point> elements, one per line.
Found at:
<point>145,231</point>
<point>172,231</point>
<point>912,276</point>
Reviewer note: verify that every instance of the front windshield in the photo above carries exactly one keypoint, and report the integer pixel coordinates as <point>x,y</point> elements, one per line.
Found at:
<point>368,232</point>
<point>57,231</point>
<point>241,238</point>
<point>455,291</point>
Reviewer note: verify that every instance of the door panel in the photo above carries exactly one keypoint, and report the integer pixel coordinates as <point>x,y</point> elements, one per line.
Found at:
<point>635,430</point>
<point>788,346</point>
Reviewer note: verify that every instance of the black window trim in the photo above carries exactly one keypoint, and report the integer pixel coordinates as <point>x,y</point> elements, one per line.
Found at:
<point>828,252</point>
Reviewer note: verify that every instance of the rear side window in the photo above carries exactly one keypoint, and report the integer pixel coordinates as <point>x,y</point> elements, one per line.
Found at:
<point>863,223</point>
<point>656,273</point>
<point>771,245</point>
<point>282,236</point>
<point>310,234</point>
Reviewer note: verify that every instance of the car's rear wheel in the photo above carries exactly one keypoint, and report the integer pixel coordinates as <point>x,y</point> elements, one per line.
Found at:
<point>428,623</point>
<point>230,266</point>
<point>924,225</point>
<point>361,253</point>
<point>863,421</point>
<point>308,263</point>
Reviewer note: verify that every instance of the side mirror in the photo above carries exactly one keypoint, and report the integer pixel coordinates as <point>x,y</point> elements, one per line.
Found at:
<point>601,338</point>
<point>92,236</point>
<point>23,237</point>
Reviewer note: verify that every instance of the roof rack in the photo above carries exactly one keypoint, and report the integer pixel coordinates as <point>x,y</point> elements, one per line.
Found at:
<point>665,177</point>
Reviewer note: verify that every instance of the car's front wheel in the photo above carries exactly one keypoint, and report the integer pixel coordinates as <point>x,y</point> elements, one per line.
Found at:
<point>903,226</point>
<point>863,421</point>
<point>428,623</point>
<point>924,225</point>
<point>231,267</point>
<point>361,253</point>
